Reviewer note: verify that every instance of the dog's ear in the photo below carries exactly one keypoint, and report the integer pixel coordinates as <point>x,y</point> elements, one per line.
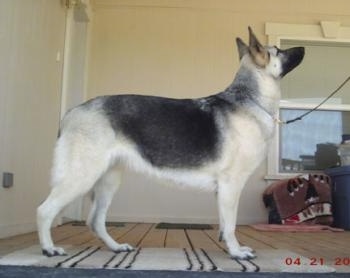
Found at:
<point>242,48</point>
<point>257,51</point>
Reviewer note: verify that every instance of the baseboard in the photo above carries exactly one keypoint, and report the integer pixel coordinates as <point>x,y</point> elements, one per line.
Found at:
<point>8,230</point>
<point>157,219</point>
<point>251,220</point>
<point>187,220</point>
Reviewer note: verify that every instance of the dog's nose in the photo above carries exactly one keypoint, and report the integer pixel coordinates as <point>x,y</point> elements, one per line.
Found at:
<point>296,52</point>
<point>301,51</point>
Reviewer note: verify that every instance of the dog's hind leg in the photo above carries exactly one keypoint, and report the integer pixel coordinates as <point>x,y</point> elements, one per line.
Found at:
<point>59,197</point>
<point>103,193</point>
<point>228,197</point>
<point>77,167</point>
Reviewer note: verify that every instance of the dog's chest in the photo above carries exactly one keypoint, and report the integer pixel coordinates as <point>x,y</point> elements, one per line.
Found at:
<point>247,138</point>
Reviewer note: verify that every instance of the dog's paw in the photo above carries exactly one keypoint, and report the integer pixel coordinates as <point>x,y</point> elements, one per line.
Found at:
<point>54,251</point>
<point>242,254</point>
<point>123,248</point>
<point>247,248</point>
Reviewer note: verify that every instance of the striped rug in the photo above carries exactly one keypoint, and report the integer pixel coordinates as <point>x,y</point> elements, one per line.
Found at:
<point>185,259</point>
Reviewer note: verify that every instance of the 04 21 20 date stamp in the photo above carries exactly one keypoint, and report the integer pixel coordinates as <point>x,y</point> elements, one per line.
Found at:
<point>314,261</point>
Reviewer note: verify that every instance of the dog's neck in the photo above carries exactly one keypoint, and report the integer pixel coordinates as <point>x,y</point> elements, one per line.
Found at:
<point>269,92</point>
<point>254,85</point>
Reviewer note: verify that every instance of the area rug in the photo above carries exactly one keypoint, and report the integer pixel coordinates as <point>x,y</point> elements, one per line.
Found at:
<point>294,228</point>
<point>173,259</point>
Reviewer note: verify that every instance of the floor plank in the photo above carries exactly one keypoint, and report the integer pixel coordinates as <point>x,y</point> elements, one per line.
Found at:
<point>136,235</point>
<point>59,233</point>
<point>154,238</point>
<point>213,235</point>
<point>253,242</point>
<point>275,240</point>
<point>199,239</point>
<point>176,239</point>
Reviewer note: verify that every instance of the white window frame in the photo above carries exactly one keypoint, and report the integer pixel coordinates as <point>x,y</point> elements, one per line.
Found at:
<point>325,31</point>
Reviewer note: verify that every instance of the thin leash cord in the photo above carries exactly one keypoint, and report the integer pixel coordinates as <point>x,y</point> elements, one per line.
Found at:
<point>315,108</point>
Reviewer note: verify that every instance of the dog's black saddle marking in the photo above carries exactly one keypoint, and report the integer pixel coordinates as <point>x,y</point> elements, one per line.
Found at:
<point>167,132</point>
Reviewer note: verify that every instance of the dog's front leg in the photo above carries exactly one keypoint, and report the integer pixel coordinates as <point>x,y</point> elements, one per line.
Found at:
<point>228,199</point>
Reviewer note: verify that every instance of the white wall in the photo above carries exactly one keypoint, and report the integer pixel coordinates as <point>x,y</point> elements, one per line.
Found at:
<point>31,34</point>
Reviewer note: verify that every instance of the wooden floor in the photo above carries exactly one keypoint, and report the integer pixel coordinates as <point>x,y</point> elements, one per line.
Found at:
<point>332,248</point>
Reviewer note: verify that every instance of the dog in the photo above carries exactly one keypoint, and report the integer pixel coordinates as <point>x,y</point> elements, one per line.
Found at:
<point>215,142</point>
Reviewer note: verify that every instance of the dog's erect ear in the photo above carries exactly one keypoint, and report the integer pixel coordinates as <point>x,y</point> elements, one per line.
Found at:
<point>257,51</point>
<point>253,41</point>
<point>242,48</point>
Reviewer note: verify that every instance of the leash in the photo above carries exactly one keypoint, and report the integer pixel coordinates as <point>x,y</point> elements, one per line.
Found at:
<point>299,118</point>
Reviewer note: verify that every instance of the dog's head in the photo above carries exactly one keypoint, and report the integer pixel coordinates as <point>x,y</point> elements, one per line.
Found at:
<point>271,59</point>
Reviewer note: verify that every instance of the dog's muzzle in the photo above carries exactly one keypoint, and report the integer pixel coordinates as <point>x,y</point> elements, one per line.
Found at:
<point>292,57</point>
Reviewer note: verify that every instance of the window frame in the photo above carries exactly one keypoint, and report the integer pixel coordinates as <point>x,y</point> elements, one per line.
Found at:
<point>326,31</point>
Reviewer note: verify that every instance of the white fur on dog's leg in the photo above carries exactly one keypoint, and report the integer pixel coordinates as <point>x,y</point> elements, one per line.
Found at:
<point>47,212</point>
<point>45,215</point>
<point>228,199</point>
<point>241,255</point>
<point>124,247</point>
<point>104,191</point>
<point>247,248</point>
<point>115,246</point>
<point>237,252</point>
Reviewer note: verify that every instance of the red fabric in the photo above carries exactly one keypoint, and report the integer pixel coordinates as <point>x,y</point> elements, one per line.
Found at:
<point>301,200</point>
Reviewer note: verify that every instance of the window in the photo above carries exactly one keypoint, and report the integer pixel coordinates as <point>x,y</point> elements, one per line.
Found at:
<point>311,144</point>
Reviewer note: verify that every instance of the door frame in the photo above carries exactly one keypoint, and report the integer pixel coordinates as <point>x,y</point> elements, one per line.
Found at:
<point>74,77</point>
